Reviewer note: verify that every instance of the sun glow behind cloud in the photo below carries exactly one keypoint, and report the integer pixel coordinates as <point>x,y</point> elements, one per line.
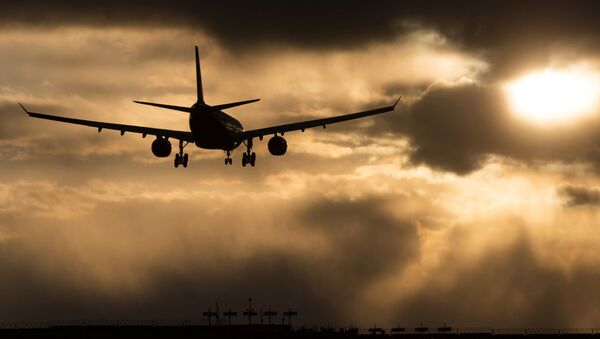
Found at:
<point>555,96</point>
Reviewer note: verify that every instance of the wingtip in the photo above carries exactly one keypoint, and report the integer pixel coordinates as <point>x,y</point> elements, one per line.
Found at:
<point>397,101</point>
<point>23,107</point>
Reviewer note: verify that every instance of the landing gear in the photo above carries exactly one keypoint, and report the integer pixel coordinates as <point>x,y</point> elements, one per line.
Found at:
<point>181,158</point>
<point>248,157</point>
<point>228,160</point>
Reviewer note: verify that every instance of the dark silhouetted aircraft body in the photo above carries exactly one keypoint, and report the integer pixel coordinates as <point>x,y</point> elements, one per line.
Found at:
<point>211,128</point>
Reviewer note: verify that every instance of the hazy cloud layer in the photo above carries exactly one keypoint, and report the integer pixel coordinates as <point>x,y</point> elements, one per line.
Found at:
<point>393,246</point>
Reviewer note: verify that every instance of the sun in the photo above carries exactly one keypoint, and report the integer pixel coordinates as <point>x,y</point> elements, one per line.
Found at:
<point>555,96</point>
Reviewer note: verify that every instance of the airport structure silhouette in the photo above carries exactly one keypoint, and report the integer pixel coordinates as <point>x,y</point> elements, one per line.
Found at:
<point>194,329</point>
<point>260,324</point>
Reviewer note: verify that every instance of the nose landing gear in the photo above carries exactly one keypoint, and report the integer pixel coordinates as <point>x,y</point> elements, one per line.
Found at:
<point>248,157</point>
<point>181,158</point>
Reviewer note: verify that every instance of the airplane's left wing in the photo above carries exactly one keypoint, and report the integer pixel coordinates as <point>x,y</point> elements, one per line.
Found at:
<point>179,135</point>
<point>280,129</point>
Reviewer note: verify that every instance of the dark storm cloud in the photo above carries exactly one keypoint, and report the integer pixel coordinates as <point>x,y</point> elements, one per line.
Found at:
<point>366,240</point>
<point>84,272</point>
<point>501,25</point>
<point>299,23</point>
<point>580,195</point>
<point>507,287</point>
<point>359,244</point>
<point>235,23</point>
<point>456,128</point>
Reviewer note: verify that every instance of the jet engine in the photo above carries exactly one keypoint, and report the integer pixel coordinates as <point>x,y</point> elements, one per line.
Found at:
<point>161,147</point>
<point>277,145</point>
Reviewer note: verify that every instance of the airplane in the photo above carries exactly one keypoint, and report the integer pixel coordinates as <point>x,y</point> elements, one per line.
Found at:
<point>211,128</point>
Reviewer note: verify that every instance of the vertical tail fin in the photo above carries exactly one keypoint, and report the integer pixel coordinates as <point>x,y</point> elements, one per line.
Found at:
<point>199,79</point>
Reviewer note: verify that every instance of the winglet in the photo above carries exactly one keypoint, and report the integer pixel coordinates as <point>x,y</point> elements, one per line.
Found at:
<point>396,103</point>
<point>23,107</point>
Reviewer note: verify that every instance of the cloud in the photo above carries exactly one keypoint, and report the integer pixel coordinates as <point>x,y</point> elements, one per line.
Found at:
<point>104,251</point>
<point>335,246</point>
<point>457,127</point>
<point>354,229</point>
<point>504,32</point>
<point>236,24</point>
<point>506,287</point>
<point>580,195</point>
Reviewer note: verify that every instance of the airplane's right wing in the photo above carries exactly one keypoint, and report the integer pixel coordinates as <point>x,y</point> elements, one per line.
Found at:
<point>280,129</point>
<point>179,135</point>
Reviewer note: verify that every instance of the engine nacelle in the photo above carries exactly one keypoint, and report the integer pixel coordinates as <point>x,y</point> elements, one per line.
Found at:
<point>161,147</point>
<point>277,145</point>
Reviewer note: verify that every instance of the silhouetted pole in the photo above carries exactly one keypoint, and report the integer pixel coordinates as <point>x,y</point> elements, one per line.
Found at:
<point>445,328</point>
<point>250,311</point>
<point>269,314</point>
<point>421,328</point>
<point>376,330</point>
<point>397,329</point>
<point>210,314</point>
<point>229,314</point>
<point>289,314</point>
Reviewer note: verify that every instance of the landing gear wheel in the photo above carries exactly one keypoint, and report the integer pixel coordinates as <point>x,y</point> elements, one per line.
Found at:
<point>248,157</point>
<point>228,160</point>
<point>181,158</point>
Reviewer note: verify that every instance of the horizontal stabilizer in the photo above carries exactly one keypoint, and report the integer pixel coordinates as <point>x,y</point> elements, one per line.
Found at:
<point>233,104</point>
<point>176,108</point>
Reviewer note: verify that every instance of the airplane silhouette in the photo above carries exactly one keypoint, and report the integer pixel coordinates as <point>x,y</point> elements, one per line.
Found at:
<point>211,128</point>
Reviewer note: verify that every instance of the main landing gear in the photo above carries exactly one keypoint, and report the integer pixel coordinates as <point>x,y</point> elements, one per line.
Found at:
<point>228,160</point>
<point>248,157</point>
<point>181,158</point>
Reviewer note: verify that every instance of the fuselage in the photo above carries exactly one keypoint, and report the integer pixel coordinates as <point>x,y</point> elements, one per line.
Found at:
<point>214,129</point>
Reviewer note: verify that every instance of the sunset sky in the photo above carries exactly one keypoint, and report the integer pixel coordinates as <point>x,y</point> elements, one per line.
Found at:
<point>475,203</point>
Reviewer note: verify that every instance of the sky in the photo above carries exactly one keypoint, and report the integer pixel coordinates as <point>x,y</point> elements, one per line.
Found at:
<point>472,204</point>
